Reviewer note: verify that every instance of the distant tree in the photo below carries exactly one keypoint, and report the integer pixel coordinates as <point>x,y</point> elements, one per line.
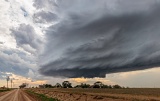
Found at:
<point>123,87</point>
<point>41,86</point>
<point>98,84</point>
<point>109,86</point>
<point>48,86</point>
<point>105,86</point>
<point>77,86</point>
<point>23,85</point>
<point>58,85</point>
<point>117,86</point>
<point>84,85</point>
<point>66,84</point>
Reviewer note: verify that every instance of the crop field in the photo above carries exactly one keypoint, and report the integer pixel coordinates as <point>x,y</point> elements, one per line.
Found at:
<point>93,94</point>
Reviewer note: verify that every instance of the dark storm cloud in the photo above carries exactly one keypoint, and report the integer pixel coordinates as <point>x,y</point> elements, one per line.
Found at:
<point>93,38</point>
<point>26,37</point>
<point>14,62</point>
<point>44,17</point>
<point>39,4</point>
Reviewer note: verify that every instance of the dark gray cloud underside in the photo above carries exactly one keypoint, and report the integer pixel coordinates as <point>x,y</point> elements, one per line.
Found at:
<point>99,71</point>
<point>94,72</point>
<point>91,41</point>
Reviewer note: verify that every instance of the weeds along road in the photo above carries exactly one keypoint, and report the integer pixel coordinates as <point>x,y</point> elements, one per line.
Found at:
<point>16,95</point>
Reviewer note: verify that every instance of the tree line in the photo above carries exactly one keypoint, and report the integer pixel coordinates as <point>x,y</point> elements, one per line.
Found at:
<point>67,84</point>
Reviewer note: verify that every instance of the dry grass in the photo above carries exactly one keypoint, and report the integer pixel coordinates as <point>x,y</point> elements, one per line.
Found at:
<point>133,91</point>
<point>131,94</point>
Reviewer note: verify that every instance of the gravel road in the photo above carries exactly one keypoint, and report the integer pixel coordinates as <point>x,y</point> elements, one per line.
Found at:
<point>16,95</point>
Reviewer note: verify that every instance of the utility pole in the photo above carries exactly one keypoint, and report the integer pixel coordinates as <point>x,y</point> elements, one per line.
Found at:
<point>11,83</point>
<point>7,80</point>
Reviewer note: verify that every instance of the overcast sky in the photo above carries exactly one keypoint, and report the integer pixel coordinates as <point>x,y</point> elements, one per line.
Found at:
<point>48,41</point>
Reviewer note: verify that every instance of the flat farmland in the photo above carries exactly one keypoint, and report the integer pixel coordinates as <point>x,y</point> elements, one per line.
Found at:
<point>93,94</point>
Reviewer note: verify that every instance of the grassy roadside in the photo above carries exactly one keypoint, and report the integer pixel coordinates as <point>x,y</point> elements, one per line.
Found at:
<point>40,97</point>
<point>4,90</point>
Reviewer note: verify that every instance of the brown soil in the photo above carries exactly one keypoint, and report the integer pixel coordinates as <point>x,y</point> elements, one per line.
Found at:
<point>94,95</point>
<point>3,93</point>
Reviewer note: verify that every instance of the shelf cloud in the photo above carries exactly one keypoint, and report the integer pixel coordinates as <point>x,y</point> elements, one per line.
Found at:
<point>93,38</point>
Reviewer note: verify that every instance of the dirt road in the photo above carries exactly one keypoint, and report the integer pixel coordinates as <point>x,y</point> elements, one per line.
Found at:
<point>16,95</point>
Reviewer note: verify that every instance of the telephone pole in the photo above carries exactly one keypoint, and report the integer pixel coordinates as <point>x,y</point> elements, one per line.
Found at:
<point>7,80</point>
<point>11,83</point>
